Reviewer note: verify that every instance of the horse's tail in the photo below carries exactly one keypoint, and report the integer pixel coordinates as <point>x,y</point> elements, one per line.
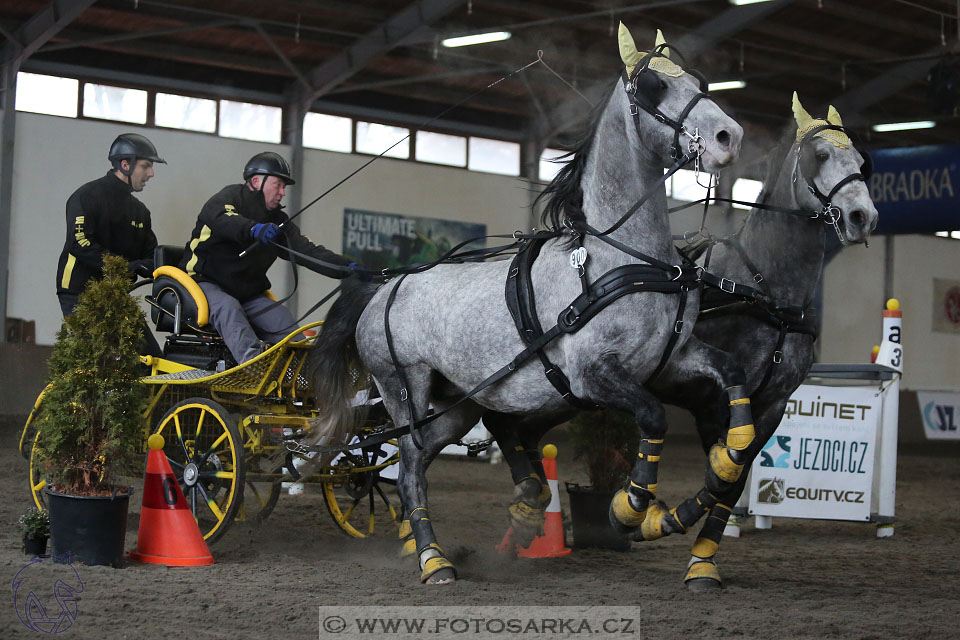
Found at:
<point>334,365</point>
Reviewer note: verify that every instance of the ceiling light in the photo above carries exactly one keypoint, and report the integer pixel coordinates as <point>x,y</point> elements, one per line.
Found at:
<point>477,38</point>
<point>742,2</point>
<point>730,84</point>
<point>903,126</point>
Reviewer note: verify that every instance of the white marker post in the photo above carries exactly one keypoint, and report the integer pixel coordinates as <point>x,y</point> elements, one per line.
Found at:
<point>885,480</point>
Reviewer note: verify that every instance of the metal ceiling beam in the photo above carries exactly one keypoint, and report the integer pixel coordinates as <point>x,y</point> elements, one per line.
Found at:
<point>137,35</point>
<point>852,103</point>
<point>726,25</point>
<point>36,31</point>
<point>287,62</point>
<point>377,42</point>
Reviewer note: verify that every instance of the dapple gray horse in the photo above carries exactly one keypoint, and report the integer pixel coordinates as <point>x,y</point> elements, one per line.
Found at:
<point>779,249</point>
<point>451,328</point>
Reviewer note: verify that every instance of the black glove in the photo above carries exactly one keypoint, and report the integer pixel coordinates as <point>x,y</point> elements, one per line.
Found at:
<point>142,267</point>
<point>362,272</point>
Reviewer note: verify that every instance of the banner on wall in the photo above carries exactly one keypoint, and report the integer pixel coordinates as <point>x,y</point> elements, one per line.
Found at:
<point>940,413</point>
<point>946,305</point>
<point>916,189</point>
<point>819,462</point>
<point>390,240</point>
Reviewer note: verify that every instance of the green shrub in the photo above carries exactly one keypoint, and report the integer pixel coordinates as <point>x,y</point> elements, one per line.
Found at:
<point>92,412</point>
<point>35,524</point>
<point>606,442</point>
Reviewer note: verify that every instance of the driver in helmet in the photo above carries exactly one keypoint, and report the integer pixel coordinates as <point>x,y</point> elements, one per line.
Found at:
<point>103,216</point>
<point>235,286</point>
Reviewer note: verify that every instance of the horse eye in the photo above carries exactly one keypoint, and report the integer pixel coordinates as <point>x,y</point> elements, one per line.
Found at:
<point>822,156</point>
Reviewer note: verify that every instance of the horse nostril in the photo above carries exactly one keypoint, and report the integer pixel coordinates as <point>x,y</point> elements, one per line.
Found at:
<point>723,138</point>
<point>858,217</point>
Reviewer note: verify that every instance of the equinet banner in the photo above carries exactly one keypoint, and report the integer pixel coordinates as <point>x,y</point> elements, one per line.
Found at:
<point>819,462</point>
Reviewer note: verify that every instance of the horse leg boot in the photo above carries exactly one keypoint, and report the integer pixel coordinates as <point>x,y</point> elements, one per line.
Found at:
<point>702,573</point>
<point>435,568</point>
<point>628,509</point>
<point>518,438</point>
<point>724,468</point>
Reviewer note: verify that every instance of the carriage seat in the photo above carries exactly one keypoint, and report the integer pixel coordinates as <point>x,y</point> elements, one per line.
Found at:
<point>178,303</point>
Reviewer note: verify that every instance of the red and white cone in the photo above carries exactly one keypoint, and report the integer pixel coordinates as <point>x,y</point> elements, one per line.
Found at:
<point>551,543</point>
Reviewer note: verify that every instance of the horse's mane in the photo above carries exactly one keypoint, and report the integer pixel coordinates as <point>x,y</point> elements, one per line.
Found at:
<point>563,197</point>
<point>775,161</point>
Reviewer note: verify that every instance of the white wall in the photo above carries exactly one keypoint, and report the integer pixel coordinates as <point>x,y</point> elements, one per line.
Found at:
<point>854,302</point>
<point>54,156</point>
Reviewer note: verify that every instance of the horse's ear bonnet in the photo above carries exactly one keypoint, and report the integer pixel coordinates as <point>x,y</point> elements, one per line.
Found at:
<point>650,88</point>
<point>839,138</point>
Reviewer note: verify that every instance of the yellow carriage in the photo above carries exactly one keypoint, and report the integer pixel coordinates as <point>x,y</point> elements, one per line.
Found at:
<point>234,436</point>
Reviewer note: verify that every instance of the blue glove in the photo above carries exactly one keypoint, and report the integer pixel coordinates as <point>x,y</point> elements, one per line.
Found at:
<point>265,232</point>
<point>361,271</point>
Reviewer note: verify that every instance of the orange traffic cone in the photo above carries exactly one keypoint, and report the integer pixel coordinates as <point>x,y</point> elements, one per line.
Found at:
<point>550,544</point>
<point>168,533</point>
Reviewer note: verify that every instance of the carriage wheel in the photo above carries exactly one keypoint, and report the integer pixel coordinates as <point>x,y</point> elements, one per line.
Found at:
<point>259,499</point>
<point>204,449</point>
<point>37,481</point>
<point>28,437</point>
<point>360,499</point>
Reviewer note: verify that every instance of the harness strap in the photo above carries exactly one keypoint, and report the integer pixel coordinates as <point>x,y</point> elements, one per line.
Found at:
<point>521,302</point>
<point>672,342</point>
<point>775,359</point>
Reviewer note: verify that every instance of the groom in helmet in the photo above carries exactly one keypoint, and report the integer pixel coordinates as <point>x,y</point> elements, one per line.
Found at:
<point>235,286</point>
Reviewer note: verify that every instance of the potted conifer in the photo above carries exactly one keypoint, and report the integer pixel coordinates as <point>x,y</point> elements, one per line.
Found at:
<point>91,429</point>
<point>606,442</point>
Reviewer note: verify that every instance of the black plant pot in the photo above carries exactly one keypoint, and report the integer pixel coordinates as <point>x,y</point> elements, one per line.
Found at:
<point>91,528</point>
<point>35,546</point>
<point>591,522</point>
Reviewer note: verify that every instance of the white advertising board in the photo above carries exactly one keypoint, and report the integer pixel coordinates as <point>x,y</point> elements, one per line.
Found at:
<point>819,463</point>
<point>941,415</point>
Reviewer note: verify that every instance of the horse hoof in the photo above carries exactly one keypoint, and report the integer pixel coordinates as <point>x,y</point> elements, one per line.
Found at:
<point>523,534</point>
<point>443,576</point>
<point>702,576</point>
<point>703,585</point>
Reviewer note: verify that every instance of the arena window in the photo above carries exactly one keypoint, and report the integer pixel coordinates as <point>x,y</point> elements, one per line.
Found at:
<point>184,112</point>
<point>494,156</point>
<point>50,95</point>
<point>548,168</point>
<point>114,103</point>
<point>329,133</point>
<point>747,191</point>
<point>249,121</point>
<point>685,186</point>
<point>374,138</point>
<point>954,235</point>
<point>441,148</point>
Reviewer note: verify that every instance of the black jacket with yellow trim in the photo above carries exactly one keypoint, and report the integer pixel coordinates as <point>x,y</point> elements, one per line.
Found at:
<point>223,232</point>
<point>102,217</point>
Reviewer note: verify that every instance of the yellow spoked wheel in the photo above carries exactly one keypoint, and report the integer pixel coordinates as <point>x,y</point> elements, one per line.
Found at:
<point>37,479</point>
<point>28,437</point>
<point>204,449</point>
<point>360,491</point>
<point>260,497</point>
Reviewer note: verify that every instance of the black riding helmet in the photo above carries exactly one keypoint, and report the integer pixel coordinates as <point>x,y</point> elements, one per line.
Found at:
<point>130,146</point>
<point>268,163</point>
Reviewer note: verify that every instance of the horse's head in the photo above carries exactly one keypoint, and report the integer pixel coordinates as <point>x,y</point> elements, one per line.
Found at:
<point>672,109</point>
<point>830,175</point>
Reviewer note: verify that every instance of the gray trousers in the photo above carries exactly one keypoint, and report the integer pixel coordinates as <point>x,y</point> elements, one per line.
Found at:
<point>240,332</point>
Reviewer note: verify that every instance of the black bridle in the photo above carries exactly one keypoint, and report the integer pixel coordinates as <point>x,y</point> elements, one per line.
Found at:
<point>803,168</point>
<point>643,87</point>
